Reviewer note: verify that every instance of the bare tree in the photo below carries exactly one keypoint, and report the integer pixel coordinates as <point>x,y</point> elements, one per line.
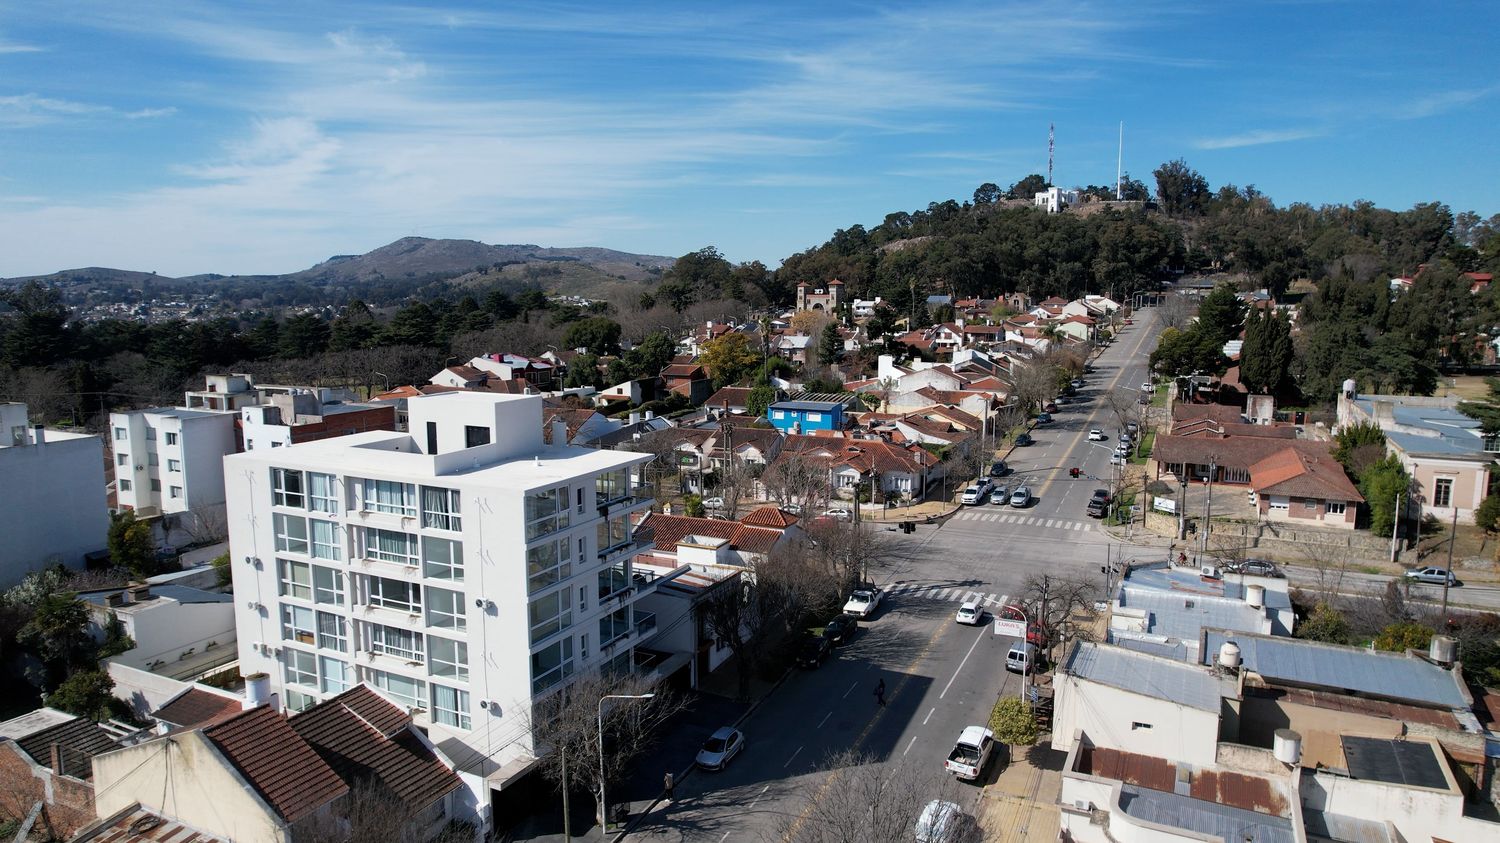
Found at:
<point>867,801</point>
<point>798,478</point>
<point>1175,311</point>
<point>373,811</point>
<point>1330,562</point>
<point>1033,384</point>
<point>207,525</point>
<point>1052,602</point>
<point>1122,402</point>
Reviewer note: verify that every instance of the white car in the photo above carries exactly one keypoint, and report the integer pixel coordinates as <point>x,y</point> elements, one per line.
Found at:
<point>1117,458</point>
<point>940,822</point>
<point>973,495</point>
<point>862,601</point>
<point>720,748</point>
<point>838,513</point>
<point>1097,435</point>
<point>970,613</point>
<point>1148,386</point>
<point>713,503</point>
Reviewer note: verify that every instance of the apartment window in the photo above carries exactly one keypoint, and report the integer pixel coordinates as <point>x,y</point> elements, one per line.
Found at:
<point>448,658</point>
<point>120,434</point>
<point>450,707</point>
<point>151,459</point>
<point>551,664</point>
<point>122,459</point>
<point>176,492</point>
<point>291,533</point>
<point>1442,492</point>
<point>275,444</point>
<point>287,488</point>
<point>402,643</point>
<point>334,675</point>
<point>322,492</point>
<point>583,646</point>
<point>612,533</point>
<point>390,496</point>
<point>442,559</point>
<point>546,512</point>
<point>547,563</point>
<point>174,465</point>
<point>402,690</point>
<point>296,579</point>
<point>298,701</point>
<point>327,540</point>
<point>474,436</point>
<point>440,509</point>
<point>297,624</point>
<point>124,485</point>
<point>432,438</point>
<point>578,493</point>
<point>583,598</point>
<point>391,546</point>
<point>611,486</point>
<point>445,609</point>
<point>150,434</point>
<point>328,586</point>
<point>301,668</point>
<point>171,438</point>
<point>332,632</point>
<point>1337,507</point>
<point>395,594</point>
<point>155,485</point>
<point>550,614</point>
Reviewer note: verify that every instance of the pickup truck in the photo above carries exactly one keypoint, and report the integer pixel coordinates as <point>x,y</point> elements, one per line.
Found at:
<point>970,753</point>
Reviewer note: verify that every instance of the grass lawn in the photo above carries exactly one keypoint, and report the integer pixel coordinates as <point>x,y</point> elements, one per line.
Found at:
<point>1147,439</point>
<point>1468,387</point>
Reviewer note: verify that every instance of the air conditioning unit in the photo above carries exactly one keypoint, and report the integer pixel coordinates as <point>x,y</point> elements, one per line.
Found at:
<point>1209,571</point>
<point>253,606</point>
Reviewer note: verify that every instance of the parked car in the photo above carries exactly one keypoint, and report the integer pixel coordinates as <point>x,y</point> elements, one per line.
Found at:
<point>1021,658</point>
<point>970,613</point>
<point>1433,574</point>
<point>1148,386</point>
<point>970,753</point>
<point>792,508</point>
<point>1098,504</point>
<point>1118,458</point>
<point>1024,439</point>
<point>813,650</point>
<point>1000,495</point>
<point>1043,418</point>
<point>999,469</point>
<point>839,513</point>
<point>1021,497</point>
<point>1097,435</point>
<point>1050,407</point>
<point>862,602</point>
<point>1144,399</point>
<point>941,822</point>
<point>1253,567</point>
<point>721,748</point>
<point>1076,383</point>
<point>841,629</point>
<point>713,503</point>
<point>1132,428</point>
<point>973,495</point>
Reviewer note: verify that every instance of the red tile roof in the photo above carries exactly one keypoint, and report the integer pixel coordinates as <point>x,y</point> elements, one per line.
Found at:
<point>1303,475</point>
<point>282,768</point>
<point>769,516</point>
<point>195,706</point>
<point>734,396</point>
<point>683,370</point>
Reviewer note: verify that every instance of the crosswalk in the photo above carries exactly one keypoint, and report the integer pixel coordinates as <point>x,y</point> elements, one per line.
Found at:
<point>946,593</point>
<point>1024,520</point>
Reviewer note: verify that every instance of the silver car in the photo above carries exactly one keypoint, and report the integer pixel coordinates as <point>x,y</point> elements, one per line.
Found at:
<point>1021,496</point>
<point>720,748</point>
<point>1432,574</point>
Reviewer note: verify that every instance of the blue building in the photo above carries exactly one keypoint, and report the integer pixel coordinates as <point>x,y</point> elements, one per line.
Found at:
<point>805,416</point>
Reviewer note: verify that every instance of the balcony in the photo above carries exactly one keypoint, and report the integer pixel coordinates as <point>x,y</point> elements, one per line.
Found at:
<point>645,624</point>
<point>636,542</point>
<point>619,499</point>
<point>614,581</point>
<point>614,627</point>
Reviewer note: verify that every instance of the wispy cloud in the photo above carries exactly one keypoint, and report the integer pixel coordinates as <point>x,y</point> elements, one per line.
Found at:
<point>1257,137</point>
<point>26,110</point>
<point>1442,102</point>
<point>13,47</point>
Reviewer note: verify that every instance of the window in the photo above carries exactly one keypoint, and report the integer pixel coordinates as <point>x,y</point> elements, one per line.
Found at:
<point>1280,504</point>
<point>150,434</point>
<point>297,624</point>
<point>579,494</point>
<point>296,579</point>
<point>612,533</point>
<point>275,444</point>
<point>432,438</point>
<point>546,512</point>
<point>611,486</point>
<point>301,668</point>
<point>445,609</point>
<point>291,533</point>
<point>120,434</point>
<point>814,417</point>
<point>547,563</point>
<point>335,675</point>
<point>1337,507</point>
<point>326,540</point>
<point>402,690</point>
<point>298,701</point>
<point>440,509</point>
<point>323,492</point>
<point>402,643</point>
<point>395,594</point>
<point>171,439</point>
<point>583,647</point>
<point>550,614</point>
<point>450,707</point>
<point>583,598</point>
<point>1310,504</point>
<point>328,586</point>
<point>176,491</point>
<point>551,665</point>
<point>122,459</point>
<point>474,436</point>
<point>391,546</point>
<point>124,485</point>
<point>390,496</point>
<point>448,658</point>
<point>1442,492</point>
<point>287,488</point>
<point>332,633</point>
<point>151,458</point>
<point>442,559</point>
<point>155,485</point>
<point>174,465</point>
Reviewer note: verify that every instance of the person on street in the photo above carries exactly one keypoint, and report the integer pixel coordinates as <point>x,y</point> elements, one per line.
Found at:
<point>666,785</point>
<point>880,693</point>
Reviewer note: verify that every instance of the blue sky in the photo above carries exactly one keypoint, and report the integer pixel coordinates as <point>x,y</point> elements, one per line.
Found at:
<point>265,137</point>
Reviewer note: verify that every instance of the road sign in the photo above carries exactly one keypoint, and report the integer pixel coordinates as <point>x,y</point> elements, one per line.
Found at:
<point>1014,628</point>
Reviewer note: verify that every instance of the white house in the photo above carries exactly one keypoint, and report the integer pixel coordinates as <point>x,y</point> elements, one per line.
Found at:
<point>170,461</point>
<point>464,569</point>
<point>55,509</point>
<point>1055,199</point>
<point>170,624</point>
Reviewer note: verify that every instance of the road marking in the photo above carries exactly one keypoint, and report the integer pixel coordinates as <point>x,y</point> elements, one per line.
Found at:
<point>789,760</point>
<point>825,718</point>
<point>961,664</point>
<point>929,716</point>
<point>909,745</point>
<point>759,795</point>
<point>851,690</point>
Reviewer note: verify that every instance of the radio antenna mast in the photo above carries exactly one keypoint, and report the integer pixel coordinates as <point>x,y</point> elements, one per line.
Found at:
<point>1050,138</point>
<point>1119,161</point>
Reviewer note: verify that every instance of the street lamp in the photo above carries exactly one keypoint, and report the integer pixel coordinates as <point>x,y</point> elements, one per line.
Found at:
<point>1025,639</point>
<point>603,801</point>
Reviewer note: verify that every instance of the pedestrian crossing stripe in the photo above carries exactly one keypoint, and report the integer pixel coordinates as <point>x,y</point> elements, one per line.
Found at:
<point>1026,521</point>
<point>948,594</point>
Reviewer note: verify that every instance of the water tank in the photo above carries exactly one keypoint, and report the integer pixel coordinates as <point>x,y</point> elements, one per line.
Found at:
<point>1351,386</point>
<point>1229,655</point>
<point>1255,595</point>
<point>257,690</point>
<point>1442,649</point>
<point>1286,745</point>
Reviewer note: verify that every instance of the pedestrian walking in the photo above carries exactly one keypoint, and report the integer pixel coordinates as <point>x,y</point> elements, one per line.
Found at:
<point>666,785</point>
<point>880,693</point>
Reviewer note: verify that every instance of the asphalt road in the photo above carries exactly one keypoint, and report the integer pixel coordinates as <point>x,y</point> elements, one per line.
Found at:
<point>939,675</point>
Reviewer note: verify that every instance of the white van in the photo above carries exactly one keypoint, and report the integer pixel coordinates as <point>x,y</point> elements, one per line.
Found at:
<point>1021,658</point>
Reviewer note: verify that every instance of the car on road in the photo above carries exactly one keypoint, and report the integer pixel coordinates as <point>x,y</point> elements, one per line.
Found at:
<point>1043,418</point>
<point>1000,495</point>
<point>721,748</point>
<point>943,822</point>
<point>1021,497</point>
<point>1050,407</point>
<point>863,601</point>
<point>713,503</point>
<point>1021,658</point>
<point>813,650</point>
<point>1097,435</point>
<point>841,629</point>
<point>970,613</point>
<point>1148,386</point>
<point>1433,574</point>
<point>1098,504</point>
<point>1024,439</point>
<point>999,469</point>
<point>970,753</point>
<point>839,513</point>
<point>1253,567</point>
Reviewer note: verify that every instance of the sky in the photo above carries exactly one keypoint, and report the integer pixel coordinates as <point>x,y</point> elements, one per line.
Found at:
<point>249,138</point>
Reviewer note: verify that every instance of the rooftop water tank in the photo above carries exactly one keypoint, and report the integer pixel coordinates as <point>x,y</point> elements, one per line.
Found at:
<point>1286,745</point>
<point>1229,655</point>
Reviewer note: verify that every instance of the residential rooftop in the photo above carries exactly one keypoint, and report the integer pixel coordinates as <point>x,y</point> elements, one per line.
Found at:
<point>1148,675</point>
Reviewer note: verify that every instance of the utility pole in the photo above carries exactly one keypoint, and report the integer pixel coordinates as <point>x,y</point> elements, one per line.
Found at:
<point>1448,569</point>
<point>1050,138</point>
<point>567,820</point>
<point>1208,503</point>
<point>1396,529</point>
<point>1119,166</point>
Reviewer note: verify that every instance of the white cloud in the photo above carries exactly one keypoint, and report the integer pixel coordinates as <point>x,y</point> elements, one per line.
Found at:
<point>1257,137</point>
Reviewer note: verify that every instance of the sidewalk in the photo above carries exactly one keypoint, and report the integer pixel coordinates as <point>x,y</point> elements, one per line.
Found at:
<point>1022,803</point>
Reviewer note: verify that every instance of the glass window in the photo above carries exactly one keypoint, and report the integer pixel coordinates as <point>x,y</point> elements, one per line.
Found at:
<point>335,675</point>
<point>297,624</point>
<point>442,559</point>
<point>450,707</point>
<point>611,486</point>
<point>327,540</point>
<point>402,690</point>
<point>150,434</point>
<point>151,458</point>
<point>124,485</point>
<point>549,614</point>
<point>612,533</point>
<point>155,485</point>
<point>546,512</point>
<point>440,509</point>
<point>174,465</point>
<point>402,643</point>
<point>1442,491</point>
<point>1336,507</point>
<point>291,533</point>
<point>395,594</point>
<point>176,491</point>
<point>332,633</point>
<point>551,665</point>
<point>122,459</point>
<point>323,492</point>
<point>548,563</point>
<point>301,668</point>
<point>287,488</point>
<point>391,546</point>
<point>298,701</point>
<point>296,579</point>
<point>448,658</point>
<point>390,496</point>
<point>171,439</point>
<point>119,434</point>
<point>328,586</point>
<point>445,609</point>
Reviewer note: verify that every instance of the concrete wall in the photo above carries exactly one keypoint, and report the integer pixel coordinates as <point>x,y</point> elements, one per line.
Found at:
<point>164,629</point>
<point>1418,813</point>
<point>1176,732</point>
<point>143,690</point>
<point>54,506</point>
<point>204,441</point>
<point>67,803</point>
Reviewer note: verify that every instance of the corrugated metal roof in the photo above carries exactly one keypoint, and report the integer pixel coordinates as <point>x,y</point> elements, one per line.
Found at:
<point>1187,684</point>
<point>1345,828</point>
<point>1196,815</point>
<point>1178,615</point>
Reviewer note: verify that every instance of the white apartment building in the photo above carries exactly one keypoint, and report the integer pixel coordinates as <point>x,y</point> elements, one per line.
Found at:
<point>53,483</point>
<point>462,569</point>
<point>171,460</point>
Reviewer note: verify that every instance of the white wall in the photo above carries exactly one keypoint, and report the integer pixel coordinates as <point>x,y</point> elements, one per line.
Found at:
<point>54,506</point>
<point>163,629</point>
<point>1418,813</point>
<point>204,442</point>
<point>1106,715</point>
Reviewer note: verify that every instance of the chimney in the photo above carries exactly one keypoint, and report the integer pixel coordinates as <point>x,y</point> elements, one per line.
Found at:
<point>139,593</point>
<point>635,418</point>
<point>38,435</point>
<point>257,691</point>
<point>559,431</point>
<point>650,414</point>
<point>115,599</point>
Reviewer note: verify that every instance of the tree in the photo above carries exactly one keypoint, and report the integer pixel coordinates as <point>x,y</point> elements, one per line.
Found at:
<point>130,544</point>
<point>583,371</point>
<point>869,800</point>
<point>597,334</point>
<point>830,344</point>
<point>650,355</point>
<point>304,335</point>
<point>355,328</point>
<point>1359,446</point>
<point>223,576</point>
<point>1380,485</point>
<point>1325,624</point>
<point>58,633</point>
<point>1266,358</point>
<point>1180,190</point>
<point>1012,722</point>
<point>986,194</point>
<point>1402,636</point>
<point>35,333</point>
<point>1487,516</point>
<point>1028,187</point>
<point>116,640</point>
<point>87,693</point>
<point>758,399</point>
<point>1221,315</point>
<point>414,324</point>
<point>729,357</point>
